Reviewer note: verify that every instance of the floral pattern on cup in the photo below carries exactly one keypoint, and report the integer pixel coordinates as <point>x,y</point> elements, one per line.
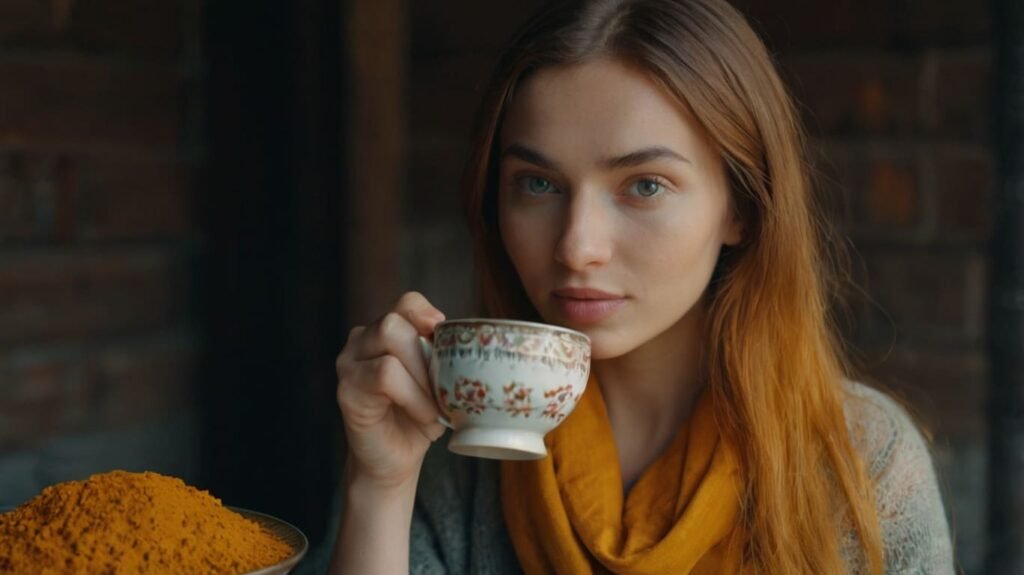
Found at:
<point>517,399</point>
<point>557,349</point>
<point>474,397</point>
<point>471,395</point>
<point>559,399</point>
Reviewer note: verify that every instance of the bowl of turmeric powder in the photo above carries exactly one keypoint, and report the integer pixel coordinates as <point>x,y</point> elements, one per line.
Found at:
<point>142,523</point>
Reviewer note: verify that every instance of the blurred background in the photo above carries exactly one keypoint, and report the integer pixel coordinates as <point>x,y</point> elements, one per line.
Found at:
<point>198,199</point>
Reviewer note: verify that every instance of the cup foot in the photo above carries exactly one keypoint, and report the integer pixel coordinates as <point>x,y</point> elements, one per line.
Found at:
<point>509,444</point>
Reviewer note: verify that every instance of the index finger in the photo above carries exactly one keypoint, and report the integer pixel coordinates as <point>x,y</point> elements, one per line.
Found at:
<point>415,307</point>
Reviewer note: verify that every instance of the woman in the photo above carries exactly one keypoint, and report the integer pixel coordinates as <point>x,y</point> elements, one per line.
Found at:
<point>638,176</point>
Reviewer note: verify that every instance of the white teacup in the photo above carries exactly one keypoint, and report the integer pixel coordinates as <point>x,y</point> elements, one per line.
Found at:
<point>503,384</point>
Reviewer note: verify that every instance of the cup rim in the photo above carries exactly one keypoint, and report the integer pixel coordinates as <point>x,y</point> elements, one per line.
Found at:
<point>519,322</point>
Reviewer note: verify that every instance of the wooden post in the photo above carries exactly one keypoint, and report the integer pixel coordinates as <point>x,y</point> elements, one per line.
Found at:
<point>376,154</point>
<point>1006,504</point>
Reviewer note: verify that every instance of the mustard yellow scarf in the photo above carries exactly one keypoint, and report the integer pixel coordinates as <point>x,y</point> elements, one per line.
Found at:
<point>567,514</point>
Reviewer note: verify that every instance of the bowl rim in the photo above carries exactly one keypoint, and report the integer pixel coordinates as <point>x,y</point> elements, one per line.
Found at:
<point>297,553</point>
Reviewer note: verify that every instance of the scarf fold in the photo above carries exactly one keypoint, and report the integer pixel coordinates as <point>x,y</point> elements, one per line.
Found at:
<point>567,513</point>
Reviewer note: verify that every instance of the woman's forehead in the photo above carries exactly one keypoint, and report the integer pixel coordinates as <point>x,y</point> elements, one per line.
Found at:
<point>599,108</point>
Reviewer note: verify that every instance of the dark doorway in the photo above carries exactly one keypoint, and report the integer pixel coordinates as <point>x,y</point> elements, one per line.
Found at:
<point>271,283</point>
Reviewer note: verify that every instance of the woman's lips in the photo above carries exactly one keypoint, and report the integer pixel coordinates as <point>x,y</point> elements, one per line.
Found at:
<point>584,305</point>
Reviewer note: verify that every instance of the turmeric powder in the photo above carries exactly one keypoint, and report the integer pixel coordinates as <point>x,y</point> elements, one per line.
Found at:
<point>122,523</point>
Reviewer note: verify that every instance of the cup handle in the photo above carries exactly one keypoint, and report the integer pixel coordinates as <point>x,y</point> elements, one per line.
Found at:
<point>427,349</point>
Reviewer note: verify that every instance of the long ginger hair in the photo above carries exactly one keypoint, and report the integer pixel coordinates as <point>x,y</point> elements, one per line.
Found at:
<point>773,361</point>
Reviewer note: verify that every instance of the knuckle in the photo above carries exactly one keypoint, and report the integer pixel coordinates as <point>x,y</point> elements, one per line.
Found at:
<point>388,368</point>
<point>411,298</point>
<point>353,385</point>
<point>391,324</point>
<point>354,333</point>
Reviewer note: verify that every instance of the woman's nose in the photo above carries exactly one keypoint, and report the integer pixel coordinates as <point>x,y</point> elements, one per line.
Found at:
<point>586,236</point>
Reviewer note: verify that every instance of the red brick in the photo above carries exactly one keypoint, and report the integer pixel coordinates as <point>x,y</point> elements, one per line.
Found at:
<point>882,183</point>
<point>133,199</point>
<point>789,24</point>
<point>891,196</point>
<point>944,22</point>
<point>964,188</point>
<point>957,95</point>
<point>24,208</point>
<point>65,192</point>
<point>38,391</point>
<point>63,390</point>
<point>926,295</point>
<point>66,102</point>
<point>68,198</point>
<point>856,94</point>
<point>41,194</point>
<point>946,389</point>
<point>831,179</point>
<point>138,384</point>
<point>77,294</point>
<point>151,29</point>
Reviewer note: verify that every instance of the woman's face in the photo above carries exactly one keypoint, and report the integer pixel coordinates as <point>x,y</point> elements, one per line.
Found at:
<point>612,205</point>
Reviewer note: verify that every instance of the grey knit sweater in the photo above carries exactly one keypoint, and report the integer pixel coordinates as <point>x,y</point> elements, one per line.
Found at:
<point>458,528</point>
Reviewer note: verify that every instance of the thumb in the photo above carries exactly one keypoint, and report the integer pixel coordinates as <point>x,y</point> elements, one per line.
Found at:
<point>433,431</point>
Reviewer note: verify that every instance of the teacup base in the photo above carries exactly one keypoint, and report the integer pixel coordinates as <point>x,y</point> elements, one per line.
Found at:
<point>508,444</point>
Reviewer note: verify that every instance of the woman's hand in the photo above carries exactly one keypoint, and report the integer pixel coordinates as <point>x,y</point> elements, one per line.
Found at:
<point>384,394</point>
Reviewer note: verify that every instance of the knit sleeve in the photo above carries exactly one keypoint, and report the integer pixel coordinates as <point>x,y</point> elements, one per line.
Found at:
<point>458,527</point>
<point>424,556</point>
<point>908,500</point>
<point>439,542</point>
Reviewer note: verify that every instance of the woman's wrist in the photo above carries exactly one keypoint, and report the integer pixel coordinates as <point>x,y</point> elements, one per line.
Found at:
<point>362,489</point>
<point>374,534</point>
<point>360,484</point>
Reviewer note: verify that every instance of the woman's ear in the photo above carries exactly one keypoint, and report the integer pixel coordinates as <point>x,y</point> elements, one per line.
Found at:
<point>733,228</point>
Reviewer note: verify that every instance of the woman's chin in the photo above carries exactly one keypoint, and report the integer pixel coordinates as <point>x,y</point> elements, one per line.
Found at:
<point>603,347</point>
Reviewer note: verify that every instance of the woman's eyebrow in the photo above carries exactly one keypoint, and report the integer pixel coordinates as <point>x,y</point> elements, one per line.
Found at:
<point>631,159</point>
<point>530,156</point>
<point>644,156</point>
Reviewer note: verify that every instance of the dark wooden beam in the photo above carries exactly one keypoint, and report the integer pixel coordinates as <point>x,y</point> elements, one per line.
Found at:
<point>377,36</point>
<point>1006,504</point>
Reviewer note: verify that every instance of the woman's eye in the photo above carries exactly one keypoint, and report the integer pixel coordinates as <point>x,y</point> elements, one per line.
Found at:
<point>536,185</point>
<point>646,187</point>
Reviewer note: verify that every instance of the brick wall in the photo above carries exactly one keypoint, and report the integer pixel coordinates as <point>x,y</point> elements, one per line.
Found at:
<point>896,99</point>
<point>97,344</point>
